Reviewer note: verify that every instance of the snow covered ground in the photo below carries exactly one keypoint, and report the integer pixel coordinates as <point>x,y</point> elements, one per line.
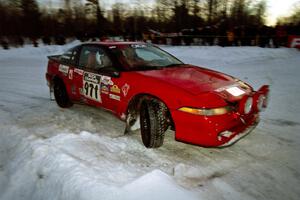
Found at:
<point>81,153</point>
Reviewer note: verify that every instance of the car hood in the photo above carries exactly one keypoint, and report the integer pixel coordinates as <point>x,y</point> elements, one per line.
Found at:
<point>195,80</point>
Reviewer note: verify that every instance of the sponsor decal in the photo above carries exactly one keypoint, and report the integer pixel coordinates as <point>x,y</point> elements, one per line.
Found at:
<point>221,89</point>
<point>71,74</point>
<point>106,80</point>
<point>91,77</point>
<point>115,97</point>
<point>125,89</point>
<point>235,91</point>
<point>138,45</point>
<point>78,71</point>
<point>63,68</point>
<point>115,89</point>
<point>91,86</point>
<point>104,89</point>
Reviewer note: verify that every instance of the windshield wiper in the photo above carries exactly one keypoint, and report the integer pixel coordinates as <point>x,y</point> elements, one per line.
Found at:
<point>173,65</point>
<point>142,68</point>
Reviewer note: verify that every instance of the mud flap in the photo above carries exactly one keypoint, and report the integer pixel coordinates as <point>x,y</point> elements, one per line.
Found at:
<point>132,125</point>
<point>51,93</point>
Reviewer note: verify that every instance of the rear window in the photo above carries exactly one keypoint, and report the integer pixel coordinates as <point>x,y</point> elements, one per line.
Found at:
<point>70,56</point>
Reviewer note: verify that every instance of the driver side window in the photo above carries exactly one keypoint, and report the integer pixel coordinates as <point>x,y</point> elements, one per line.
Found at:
<point>94,58</point>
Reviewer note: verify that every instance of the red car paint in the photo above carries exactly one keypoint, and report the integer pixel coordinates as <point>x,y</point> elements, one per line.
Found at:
<point>177,87</point>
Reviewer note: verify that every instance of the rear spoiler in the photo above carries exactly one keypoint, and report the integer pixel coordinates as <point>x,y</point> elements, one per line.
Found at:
<point>54,57</point>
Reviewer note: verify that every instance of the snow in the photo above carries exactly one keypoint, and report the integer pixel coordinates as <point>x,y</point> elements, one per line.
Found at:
<point>81,153</point>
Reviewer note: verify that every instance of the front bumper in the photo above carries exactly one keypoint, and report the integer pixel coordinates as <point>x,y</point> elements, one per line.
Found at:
<point>215,131</point>
<point>240,135</point>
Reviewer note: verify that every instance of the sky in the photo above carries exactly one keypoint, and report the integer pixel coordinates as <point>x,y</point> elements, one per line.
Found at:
<point>276,8</point>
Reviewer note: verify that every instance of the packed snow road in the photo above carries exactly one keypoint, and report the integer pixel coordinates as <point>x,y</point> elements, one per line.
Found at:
<point>81,153</point>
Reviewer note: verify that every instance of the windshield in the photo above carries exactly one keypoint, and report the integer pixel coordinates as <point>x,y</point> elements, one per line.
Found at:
<point>144,57</point>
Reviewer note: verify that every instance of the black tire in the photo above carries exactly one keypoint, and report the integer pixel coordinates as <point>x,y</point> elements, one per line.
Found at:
<point>61,95</point>
<point>153,123</point>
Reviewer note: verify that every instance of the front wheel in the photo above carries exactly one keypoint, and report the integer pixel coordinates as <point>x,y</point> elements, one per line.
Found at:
<point>153,123</point>
<point>61,95</point>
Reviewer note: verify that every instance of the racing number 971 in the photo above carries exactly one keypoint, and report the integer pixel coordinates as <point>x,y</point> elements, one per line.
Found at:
<point>91,90</point>
<point>91,84</point>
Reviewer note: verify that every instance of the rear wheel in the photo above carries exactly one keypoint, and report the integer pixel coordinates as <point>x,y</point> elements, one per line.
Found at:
<point>153,123</point>
<point>61,95</point>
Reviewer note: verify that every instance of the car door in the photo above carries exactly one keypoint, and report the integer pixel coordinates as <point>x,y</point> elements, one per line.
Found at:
<point>68,63</point>
<point>99,86</point>
<point>88,80</point>
<point>110,84</point>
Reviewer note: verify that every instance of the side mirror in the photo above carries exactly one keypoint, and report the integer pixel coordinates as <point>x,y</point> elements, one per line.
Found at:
<point>109,71</point>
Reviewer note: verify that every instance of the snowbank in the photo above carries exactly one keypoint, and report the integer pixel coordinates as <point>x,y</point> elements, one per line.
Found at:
<point>64,167</point>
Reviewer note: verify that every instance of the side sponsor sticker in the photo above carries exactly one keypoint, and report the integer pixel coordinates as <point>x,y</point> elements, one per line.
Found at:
<point>115,89</point>
<point>104,89</point>
<point>115,97</point>
<point>125,89</point>
<point>63,68</point>
<point>106,80</point>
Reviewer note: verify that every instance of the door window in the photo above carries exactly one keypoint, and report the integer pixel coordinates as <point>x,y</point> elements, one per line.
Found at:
<point>94,58</point>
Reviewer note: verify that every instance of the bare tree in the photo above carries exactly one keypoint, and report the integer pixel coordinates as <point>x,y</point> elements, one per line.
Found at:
<point>31,17</point>
<point>101,21</point>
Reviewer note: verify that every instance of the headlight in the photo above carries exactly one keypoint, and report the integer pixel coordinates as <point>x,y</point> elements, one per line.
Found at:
<point>245,105</point>
<point>248,105</point>
<point>206,112</point>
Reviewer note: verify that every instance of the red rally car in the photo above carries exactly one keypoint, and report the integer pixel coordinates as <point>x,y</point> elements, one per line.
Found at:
<point>152,90</point>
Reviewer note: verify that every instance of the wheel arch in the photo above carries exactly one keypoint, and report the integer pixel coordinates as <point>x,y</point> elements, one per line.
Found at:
<point>136,101</point>
<point>56,78</point>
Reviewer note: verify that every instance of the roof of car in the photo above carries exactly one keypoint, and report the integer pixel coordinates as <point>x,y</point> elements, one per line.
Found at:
<point>114,43</point>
